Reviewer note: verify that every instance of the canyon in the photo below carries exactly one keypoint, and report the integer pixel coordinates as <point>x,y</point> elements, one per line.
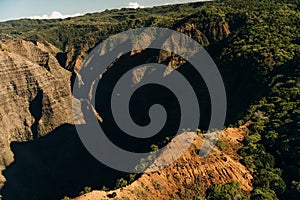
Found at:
<point>42,156</point>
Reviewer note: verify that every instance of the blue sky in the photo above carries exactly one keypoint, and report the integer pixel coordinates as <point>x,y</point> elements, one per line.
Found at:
<point>15,9</point>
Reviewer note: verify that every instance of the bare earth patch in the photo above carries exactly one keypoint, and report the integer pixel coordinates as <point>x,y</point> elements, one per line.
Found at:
<point>190,175</point>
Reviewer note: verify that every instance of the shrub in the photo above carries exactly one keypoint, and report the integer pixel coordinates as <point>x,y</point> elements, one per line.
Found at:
<point>221,145</point>
<point>224,192</point>
<point>121,183</point>
<point>86,190</point>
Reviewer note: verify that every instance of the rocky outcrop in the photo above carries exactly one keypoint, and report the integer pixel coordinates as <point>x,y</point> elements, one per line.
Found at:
<point>190,175</point>
<point>215,31</point>
<point>205,33</point>
<point>31,78</point>
<point>29,51</point>
<point>192,31</point>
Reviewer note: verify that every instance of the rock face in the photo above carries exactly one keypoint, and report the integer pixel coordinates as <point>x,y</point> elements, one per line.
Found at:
<point>206,33</point>
<point>191,31</point>
<point>190,175</point>
<point>35,94</point>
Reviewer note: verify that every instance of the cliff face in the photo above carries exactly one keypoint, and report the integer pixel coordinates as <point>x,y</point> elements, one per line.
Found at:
<point>35,94</point>
<point>206,34</point>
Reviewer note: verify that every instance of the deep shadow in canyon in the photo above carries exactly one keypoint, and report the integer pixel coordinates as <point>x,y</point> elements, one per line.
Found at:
<point>36,110</point>
<point>145,97</point>
<point>53,166</point>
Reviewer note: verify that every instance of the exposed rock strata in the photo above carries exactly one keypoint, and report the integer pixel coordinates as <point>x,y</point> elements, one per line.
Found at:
<point>25,71</point>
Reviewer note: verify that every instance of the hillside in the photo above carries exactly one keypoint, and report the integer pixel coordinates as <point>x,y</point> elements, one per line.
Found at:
<point>256,46</point>
<point>190,175</point>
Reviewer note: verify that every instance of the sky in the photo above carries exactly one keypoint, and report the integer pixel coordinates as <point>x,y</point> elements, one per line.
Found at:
<point>45,9</point>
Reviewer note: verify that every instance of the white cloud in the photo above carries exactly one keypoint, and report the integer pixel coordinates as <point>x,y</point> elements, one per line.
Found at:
<point>55,15</point>
<point>134,5</point>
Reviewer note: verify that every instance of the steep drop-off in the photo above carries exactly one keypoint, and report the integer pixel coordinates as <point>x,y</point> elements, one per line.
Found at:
<point>31,80</point>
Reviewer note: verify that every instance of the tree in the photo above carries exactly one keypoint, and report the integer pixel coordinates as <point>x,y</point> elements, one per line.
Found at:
<point>226,192</point>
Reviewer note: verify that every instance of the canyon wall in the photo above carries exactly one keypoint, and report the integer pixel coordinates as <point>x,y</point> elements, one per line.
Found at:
<point>35,94</point>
